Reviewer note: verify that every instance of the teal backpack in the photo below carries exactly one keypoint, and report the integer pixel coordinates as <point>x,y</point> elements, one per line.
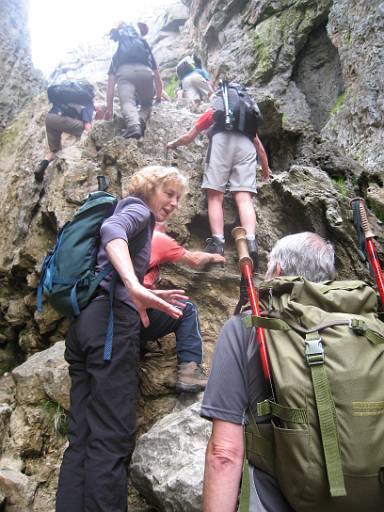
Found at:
<point>69,279</point>
<point>322,435</point>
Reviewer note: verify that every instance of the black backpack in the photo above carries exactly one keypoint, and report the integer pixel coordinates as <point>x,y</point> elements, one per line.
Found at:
<point>80,92</point>
<point>184,67</point>
<point>71,97</point>
<point>235,110</point>
<point>132,47</point>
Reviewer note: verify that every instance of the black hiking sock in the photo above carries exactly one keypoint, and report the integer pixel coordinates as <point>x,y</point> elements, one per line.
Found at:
<point>40,170</point>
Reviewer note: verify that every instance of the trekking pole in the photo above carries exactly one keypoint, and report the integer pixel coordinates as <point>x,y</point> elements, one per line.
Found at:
<point>360,212</point>
<point>228,113</point>
<point>246,267</point>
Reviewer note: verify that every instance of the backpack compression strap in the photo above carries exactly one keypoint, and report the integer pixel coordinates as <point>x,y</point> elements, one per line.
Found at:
<point>278,324</point>
<point>314,353</point>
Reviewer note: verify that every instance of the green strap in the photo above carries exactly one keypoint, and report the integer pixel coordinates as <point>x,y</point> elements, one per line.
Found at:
<point>327,415</point>
<point>288,414</point>
<point>267,323</point>
<point>358,326</point>
<point>367,408</point>
<point>244,491</point>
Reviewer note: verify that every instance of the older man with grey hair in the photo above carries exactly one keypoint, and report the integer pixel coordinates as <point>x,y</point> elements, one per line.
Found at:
<point>236,384</point>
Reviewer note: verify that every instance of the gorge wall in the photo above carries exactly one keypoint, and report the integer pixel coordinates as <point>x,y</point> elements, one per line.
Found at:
<point>316,70</point>
<point>19,80</point>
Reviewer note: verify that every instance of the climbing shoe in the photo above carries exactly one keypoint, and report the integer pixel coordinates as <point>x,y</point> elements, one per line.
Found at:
<point>252,249</point>
<point>190,378</point>
<point>39,173</point>
<point>214,246</point>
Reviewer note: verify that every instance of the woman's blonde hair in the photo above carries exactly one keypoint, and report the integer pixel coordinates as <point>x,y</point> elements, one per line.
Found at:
<point>145,181</point>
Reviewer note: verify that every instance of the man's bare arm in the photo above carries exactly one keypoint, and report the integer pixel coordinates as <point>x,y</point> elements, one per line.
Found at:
<point>158,84</point>
<point>262,154</point>
<point>110,95</point>
<point>223,466</point>
<point>198,259</point>
<point>185,139</point>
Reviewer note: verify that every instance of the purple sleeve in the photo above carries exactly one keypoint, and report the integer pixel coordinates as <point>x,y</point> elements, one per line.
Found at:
<point>125,223</point>
<point>236,378</point>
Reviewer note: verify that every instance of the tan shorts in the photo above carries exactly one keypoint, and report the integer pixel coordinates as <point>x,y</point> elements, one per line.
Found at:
<point>195,87</point>
<point>232,161</point>
<point>56,125</point>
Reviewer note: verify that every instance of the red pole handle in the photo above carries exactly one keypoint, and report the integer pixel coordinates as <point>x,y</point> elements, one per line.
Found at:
<point>371,250</point>
<point>247,273</point>
<point>374,260</point>
<point>246,267</point>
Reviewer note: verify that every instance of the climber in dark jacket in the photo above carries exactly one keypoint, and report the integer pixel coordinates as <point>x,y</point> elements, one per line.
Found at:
<point>59,121</point>
<point>134,69</point>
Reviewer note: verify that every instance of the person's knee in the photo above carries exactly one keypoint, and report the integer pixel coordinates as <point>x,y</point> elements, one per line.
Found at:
<point>189,310</point>
<point>242,197</point>
<point>215,196</point>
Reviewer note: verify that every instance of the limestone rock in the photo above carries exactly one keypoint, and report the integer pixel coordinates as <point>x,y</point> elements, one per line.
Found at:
<point>168,462</point>
<point>5,414</point>
<point>16,487</point>
<point>305,62</point>
<point>44,375</point>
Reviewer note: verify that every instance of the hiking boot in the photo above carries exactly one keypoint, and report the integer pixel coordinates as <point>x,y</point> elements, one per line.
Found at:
<point>39,173</point>
<point>130,133</point>
<point>214,246</point>
<point>190,378</point>
<point>252,249</point>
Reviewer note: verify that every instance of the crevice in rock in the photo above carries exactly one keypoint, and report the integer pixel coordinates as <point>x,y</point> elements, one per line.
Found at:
<point>281,145</point>
<point>318,74</point>
<point>281,149</point>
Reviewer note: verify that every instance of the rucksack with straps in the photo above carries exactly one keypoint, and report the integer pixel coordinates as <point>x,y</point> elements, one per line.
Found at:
<point>69,278</point>
<point>80,92</point>
<point>71,97</point>
<point>132,47</point>
<point>235,110</point>
<point>185,67</point>
<point>324,442</point>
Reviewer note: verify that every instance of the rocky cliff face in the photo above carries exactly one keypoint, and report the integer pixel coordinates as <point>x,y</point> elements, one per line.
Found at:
<point>316,71</point>
<point>19,80</point>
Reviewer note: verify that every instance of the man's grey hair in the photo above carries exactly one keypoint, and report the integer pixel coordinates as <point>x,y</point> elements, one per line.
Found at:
<point>303,254</point>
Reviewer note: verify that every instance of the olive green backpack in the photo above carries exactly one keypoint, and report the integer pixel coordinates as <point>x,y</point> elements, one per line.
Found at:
<point>324,442</point>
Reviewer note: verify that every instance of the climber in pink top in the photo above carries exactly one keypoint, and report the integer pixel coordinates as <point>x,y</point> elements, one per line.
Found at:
<point>164,249</point>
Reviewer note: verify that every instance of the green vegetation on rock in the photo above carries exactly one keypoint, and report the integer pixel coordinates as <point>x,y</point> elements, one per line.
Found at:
<point>59,416</point>
<point>340,183</point>
<point>339,103</point>
<point>286,30</point>
<point>171,87</point>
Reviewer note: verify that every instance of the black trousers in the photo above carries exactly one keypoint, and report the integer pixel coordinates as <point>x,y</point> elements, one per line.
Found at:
<point>93,476</point>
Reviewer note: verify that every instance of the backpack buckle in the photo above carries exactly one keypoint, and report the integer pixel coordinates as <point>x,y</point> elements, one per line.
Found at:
<point>358,326</point>
<point>314,351</point>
